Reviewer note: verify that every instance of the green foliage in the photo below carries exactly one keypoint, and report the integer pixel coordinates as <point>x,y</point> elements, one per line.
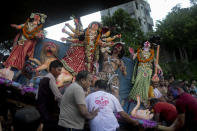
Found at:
<point>178,30</point>
<point>193,2</point>
<point>180,69</point>
<point>121,23</point>
<point>178,34</point>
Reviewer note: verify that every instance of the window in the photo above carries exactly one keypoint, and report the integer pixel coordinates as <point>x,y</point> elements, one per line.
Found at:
<point>132,13</point>
<point>147,12</point>
<point>140,21</point>
<point>136,4</point>
<point>150,28</point>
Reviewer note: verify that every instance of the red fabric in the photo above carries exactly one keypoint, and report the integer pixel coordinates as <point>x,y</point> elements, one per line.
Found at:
<point>187,104</point>
<point>167,111</point>
<point>75,58</point>
<point>18,54</point>
<point>17,37</point>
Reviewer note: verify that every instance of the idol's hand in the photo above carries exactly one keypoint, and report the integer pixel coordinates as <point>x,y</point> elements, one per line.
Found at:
<point>131,51</point>
<point>63,30</point>
<point>63,39</point>
<point>66,24</point>
<point>15,26</point>
<point>118,36</point>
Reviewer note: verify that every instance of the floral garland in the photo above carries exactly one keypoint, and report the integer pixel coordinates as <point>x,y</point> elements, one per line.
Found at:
<point>24,89</point>
<point>146,60</point>
<point>30,34</point>
<point>97,39</point>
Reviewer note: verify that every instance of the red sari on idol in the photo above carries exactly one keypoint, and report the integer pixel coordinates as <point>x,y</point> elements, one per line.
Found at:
<point>74,60</point>
<point>24,47</point>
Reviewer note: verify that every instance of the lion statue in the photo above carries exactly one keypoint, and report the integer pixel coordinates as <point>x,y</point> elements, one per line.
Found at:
<point>48,54</point>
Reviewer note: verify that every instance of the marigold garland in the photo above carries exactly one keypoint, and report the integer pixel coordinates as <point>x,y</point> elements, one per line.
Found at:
<point>30,34</point>
<point>97,39</point>
<point>146,60</point>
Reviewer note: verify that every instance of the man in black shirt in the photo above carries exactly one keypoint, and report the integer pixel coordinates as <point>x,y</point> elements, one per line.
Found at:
<point>49,96</point>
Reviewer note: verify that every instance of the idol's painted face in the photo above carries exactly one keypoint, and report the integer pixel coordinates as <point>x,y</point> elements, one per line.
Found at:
<point>118,47</point>
<point>76,21</point>
<point>36,17</point>
<point>95,26</point>
<point>51,47</point>
<point>146,44</point>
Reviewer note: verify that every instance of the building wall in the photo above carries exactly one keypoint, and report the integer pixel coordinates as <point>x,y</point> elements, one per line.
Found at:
<point>138,9</point>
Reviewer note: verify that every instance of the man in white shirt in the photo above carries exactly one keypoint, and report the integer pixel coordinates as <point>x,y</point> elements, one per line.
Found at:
<point>108,104</point>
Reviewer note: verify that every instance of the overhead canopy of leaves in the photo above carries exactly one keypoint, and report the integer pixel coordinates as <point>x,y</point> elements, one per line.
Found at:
<point>122,23</point>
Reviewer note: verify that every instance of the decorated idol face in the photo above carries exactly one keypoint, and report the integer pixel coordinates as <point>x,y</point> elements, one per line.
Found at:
<point>118,48</point>
<point>76,20</point>
<point>36,18</point>
<point>51,47</point>
<point>95,26</point>
<point>147,44</point>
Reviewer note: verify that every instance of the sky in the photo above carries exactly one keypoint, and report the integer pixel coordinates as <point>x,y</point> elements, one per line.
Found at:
<point>159,9</point>
<point>55,32</point>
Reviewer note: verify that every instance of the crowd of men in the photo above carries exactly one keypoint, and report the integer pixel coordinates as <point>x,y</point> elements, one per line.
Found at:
<point>172,102</point>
